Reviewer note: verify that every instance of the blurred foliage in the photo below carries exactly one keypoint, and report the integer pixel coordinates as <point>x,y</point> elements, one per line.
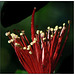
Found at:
<point>54,13</point>
<point>21,72</point>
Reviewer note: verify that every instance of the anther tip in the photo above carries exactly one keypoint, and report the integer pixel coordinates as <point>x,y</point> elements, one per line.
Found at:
<point>7,33</point>
<point>44,39</point>
<point>28,48</point>
<point>63,24</point>
<point>48,28</point>
<point>42,34</point>
<point>21,33</point>
<point>40,31</point>
<point>51,29</point>
<point>24,48</point>
<point>60,27</point>
<point>34,7</point>
<point>31,43</point>
<point>16,44</point>
<point>51,35</point>
<point>37,31</point>
<point>9,41</point>
<point>69,21</point>
<point>30,52</point>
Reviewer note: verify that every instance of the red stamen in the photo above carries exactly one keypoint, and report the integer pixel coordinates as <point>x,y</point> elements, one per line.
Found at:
<point>32,25</point>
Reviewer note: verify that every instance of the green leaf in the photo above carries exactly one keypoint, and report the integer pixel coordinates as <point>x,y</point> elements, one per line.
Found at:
<point>21,72</point>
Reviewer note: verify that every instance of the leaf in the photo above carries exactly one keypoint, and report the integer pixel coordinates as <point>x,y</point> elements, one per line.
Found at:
<point>21,72</point>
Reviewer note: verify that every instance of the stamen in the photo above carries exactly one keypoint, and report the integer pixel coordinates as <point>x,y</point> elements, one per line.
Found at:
<point>28,48</point>
<point>34,7</point>
<point>7,33</point>
<point>12,40</point>
<point>68,21</point>
<point>16,36</point>
<point>30,52</point>
<point>63,24</point>
<point>51,35</point>
<point>12,34</point>
<point>24,48</point>
<point>60,27</point>
<point>16,44</point>
<point>51,29</point>
<point>31,43</point>
<point>42,34</point>
<point>44,38</point>
<point>37,31</point>
<point>48,28</point>
<point>64,27</point>
<point>40,31</point>
<point>34,42</point>
<point>21,34</point>
<point>35,39</point>
<point>9,41</point>
<point>56,27</point>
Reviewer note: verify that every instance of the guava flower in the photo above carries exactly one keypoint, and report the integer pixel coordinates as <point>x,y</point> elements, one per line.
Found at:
<point>43,53</point>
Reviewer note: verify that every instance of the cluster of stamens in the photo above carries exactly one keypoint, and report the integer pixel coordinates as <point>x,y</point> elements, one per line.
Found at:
<point>42,54</point>
<point>42,34</point>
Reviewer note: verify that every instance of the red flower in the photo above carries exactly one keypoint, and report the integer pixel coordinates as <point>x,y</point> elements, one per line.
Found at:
<point>43,53</point>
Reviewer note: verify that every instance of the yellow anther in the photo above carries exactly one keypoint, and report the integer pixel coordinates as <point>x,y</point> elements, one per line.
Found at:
<point>30,52</point>
<point>42,34</point>
<point>34,42</point>
<point>35,39</point>
<point>40,31</point>
<point>51,29</point>
<point>44,39</point>
<point>31,43</point>
<point>63,24</point>
<point>12,34</point>
<point>48,28</point>
<point>16,44</point>
<point>56,27</point>
<point>37,31</point>
<point>28,48</point>
<point>7,33</point>
<point>24,48</point>
<point>52,35</point>
<point>68,21</point>
<point>12,40</point>
<point>60,27</point>
<point>16,36</point>
<point>9,41</point>
<point>21,33</point>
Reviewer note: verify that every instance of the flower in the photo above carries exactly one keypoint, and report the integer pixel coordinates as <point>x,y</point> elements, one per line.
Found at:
<point>43,53</point>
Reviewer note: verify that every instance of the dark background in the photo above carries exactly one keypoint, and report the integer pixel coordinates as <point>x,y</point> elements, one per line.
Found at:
<point>17,15</point>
